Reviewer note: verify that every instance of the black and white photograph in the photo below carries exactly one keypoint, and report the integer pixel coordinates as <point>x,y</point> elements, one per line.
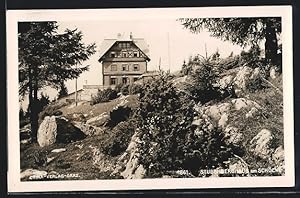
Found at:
<point>158,98</point>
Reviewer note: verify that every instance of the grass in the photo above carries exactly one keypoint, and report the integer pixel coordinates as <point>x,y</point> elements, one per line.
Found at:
<point>270,117</point>
<point>78,159</point>
<point>79,156</point>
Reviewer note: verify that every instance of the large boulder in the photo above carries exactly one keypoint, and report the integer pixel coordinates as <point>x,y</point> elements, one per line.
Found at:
<point>260,145</point>
<point>47,131</point>
<point>58,130</point>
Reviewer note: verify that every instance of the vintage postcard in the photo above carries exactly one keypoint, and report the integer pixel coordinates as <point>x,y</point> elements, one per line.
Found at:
<point>164,98</point>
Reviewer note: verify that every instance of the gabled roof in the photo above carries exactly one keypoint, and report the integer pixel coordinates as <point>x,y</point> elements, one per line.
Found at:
<point>108,43</point>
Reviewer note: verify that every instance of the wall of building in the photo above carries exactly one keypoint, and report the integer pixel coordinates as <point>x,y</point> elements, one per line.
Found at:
<point>117,67</point>
<point>115,70</point>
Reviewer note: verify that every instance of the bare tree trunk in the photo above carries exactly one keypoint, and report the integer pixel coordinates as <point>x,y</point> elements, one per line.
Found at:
<point>33,102</point>
<point>271,44</point>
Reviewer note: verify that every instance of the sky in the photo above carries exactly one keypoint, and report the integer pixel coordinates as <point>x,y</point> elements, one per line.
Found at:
<point>158,33</point>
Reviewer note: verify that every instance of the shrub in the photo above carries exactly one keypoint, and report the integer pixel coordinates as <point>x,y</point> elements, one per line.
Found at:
<point>118,88</point>
<point>168,140</point>
<point>135,88</point>
<point>119,138</point>
<point>251,58</point>
<point>104,96</point>
<point>125,89</point>
<point>164,120</point>
<point>203,77</point>
<point>207,151</point>
<point>254,85</point>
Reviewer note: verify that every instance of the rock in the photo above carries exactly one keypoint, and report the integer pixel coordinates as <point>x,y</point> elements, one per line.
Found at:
<point>58,150</point>
<point>77,117</point>
<point>241,103</point>
<point>128,165</point>
<point>252,112</point>
<point>216,111</point>
<point>58,113</point>
<point>260,144</point>
<point>67,132</point>
<point>255,74</point>
<point>278,155</point>
<point>33,174</point>
<point>89,130</point>
<point>47,131</point>
<point>233,135</point>
<point>225,82</point>
<point>197,122</point>
<point>50,159</point>
<point>273,73</point>
<point>242,77</point>
<point>25,134</point>
<point>223,120</point>
<point>100,120</point>
<point>58,130</point>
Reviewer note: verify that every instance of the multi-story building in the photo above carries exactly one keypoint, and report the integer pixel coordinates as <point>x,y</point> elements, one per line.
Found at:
<point>123,60</point>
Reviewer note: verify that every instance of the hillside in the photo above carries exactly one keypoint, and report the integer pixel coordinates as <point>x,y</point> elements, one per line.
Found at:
<point>234,127</point>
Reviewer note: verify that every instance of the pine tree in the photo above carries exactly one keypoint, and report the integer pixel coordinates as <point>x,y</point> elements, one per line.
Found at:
<point>241,31</point>
<point>46,58</point>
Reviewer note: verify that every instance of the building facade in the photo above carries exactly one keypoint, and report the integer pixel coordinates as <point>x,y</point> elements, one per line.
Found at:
<point>123,61</point>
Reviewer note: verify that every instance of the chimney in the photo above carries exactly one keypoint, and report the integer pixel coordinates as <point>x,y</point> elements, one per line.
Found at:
<point>130,36</point>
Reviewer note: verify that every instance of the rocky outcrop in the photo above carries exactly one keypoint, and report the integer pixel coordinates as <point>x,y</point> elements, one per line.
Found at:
<point>58,130</point>
<point>88,129</point>
<point>100,120</point>
<point>128,165</point>
<point>260,144</point>
<point>241,103</point>
<point>220,113</point>
<point>33,174</point>
<point>47,131</point>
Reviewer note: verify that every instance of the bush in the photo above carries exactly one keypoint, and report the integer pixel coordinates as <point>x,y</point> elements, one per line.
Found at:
<point>125,89</point>
<point>168,140</point>
<point>104,96</point>
<point>135,88</point>
<point>118,88</point>
<point>119,138</point>
<point>164,120</point>
<point>207,151</point>
<point>251,58</point>
<point>203,77</point>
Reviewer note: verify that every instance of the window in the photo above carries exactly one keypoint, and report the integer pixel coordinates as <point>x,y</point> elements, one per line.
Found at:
<point>113,67</point>
<point>136,67</point>
<point>135,54</point>
<point>113,81</point>
<point>124,67</point>
<point>124,54</point>
<point>113,54</point>
<point>124,80</point>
